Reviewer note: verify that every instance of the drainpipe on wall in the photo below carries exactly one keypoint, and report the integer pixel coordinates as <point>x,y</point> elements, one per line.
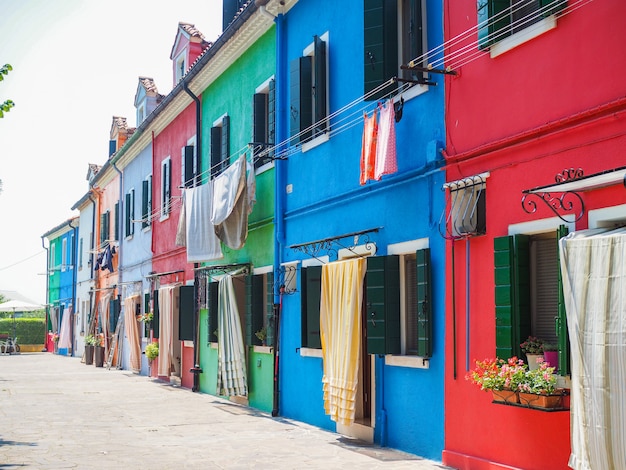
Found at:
<point>74,279</point>
<point>196,370</point>
<point>45,349</point>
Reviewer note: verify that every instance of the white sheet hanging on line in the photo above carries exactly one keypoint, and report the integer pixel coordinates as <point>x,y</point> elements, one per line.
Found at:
<point>131,328</point>
<point>201,239</point>
<point>593,265</point>
<point>65,342</point>
<point>231,358</point>
<point>230,205</point>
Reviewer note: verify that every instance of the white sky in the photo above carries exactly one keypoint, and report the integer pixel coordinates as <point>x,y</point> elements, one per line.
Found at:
<point>76,64</point>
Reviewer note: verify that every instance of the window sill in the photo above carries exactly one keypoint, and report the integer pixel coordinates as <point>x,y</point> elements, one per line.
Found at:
<point>413,92</point>
<point>164,217</point>
<point>263,349</point>
<point>520,38</point>
<point>319,140</point>
<point>412,362</point>
<point>310,352</point>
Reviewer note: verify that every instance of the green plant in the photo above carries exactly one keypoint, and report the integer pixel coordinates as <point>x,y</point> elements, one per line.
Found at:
<point>152,351</point>
<point>498,374</point>
<point>261,334</point>
<point>539,381</point>
<point>90,340</point>
<point>146,317</point>
<point>532,345</point>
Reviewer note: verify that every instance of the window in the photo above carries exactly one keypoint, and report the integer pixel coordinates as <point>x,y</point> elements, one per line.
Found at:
<point>146,309</point>
<point>146,202</point>
<point>64,254</point>
<point>500,19</point>
<point>394,34</point>
<point>70,252</point>
<point>220,145</point>
<point>166,187</point>
<point>190,165</point>
<point>129,211</point>
<point>105,220</point>
<point>116,233</point>
<point>140,114</point>
<point>465,213</point>
<point>180,67</point>
<point>264,123</point>
<point>80,253</point>
<point>529,293</point>
<point>309,92</point>
<point>52,258</point>
<point>186,315</point>
<point>311,287</point>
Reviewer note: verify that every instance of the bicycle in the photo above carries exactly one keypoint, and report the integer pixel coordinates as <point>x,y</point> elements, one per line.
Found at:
<point>9,346</point>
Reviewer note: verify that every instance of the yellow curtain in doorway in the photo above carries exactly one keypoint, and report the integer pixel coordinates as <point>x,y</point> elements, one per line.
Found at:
<point>340,330</point>
<point>132,331</point>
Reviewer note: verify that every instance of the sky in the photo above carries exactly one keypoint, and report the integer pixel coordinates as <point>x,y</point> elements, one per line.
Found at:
<point>76,64</point>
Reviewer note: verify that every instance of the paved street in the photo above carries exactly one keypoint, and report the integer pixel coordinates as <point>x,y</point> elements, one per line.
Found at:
<point>57,413</point>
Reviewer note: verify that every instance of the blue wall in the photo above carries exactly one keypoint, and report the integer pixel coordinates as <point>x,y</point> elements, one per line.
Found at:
<point>326,200</point>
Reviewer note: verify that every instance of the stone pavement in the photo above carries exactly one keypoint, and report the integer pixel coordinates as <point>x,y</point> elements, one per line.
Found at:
<point>58,413</point>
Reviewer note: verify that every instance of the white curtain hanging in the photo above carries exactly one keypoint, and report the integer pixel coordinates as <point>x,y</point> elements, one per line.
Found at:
<point>166,334</point>
<point>132,331</point>
<point>593,264</point>
<point>231,374</point>
<point>65,341</point>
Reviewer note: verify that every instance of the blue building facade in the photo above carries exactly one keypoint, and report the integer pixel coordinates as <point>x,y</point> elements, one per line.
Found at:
<point>338,68</point>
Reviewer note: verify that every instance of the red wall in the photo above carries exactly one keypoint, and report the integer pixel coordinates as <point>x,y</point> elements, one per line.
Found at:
<point>553,103</point>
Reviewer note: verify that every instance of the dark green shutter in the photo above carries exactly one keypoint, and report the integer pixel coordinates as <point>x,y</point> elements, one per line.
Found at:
<point>186,314</point>
<point>259,124</point>
<point>145,212</point>
<point>128,215</point>
<point>189,173</point>
<point>155,317</point>
<point>212,305</point>
<point>269,308</point>
<point>103,236</point>
<point>271,118</point>
<point>216,150</point>
<point>415,31</point>
<point>146,309</point>
<point>382,313</point>
<point>511,275</point>
<point>311,286</point>
<point>499,22</point>
<point>319,89</point>
<point>424,304</point>
<point>255,309</point>
<point>380,38</point>
<point>561,321</point>
<point>301,106</point>
<point>225,155</point>
<point>116,224</point>
<point>114,312</point>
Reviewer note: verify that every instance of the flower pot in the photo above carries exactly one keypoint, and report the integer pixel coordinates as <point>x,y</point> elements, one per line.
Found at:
<point>89,354</point>
<point>99,356</point>
<point>505,396</point>
<point>552,358</point>
<point>541,400</point>
<point>532,361</point>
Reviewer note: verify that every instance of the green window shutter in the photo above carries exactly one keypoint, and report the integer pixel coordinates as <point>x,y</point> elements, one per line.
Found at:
<point>144,204</point>
<point>561,322</point>
<point>271,118</point>
<point>380,38</point>
<point>511,275</point>
<point>225,155</point>
<point>127,215</point>
<point>499,21</point>
<point>216,150</point>
<point>559,5</point>
<point>102,231</point>
<point>116,223</point>
<point>301,105</point>
<point>255,308</point>
<point>382,313</point>
<point>212,314</point>
<point>269,308</point>
<point>114,311</point>
<point>155,317</point>
<point>186,313</point>
<point>146,309</point>
<point>424,305</point>
<point>259,122</point>
<point>320,88</point>
<point>189,173</point>
<point>311,286</point>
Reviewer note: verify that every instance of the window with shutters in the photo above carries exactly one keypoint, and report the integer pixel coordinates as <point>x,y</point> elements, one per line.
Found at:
<point>220,145</point>
<point>166,188</point>
<point>311,294</point>
<point>64,264</point>
<point>116,221</point>
<point>190,164</point>
<point>146,202</point>
<point>529,293</point>
<point>264,123</point>
<point>308,111</point>
<point>129,213</point>
<point>259,327</point>
<point>508,23</point>
<point>105,231</point>
<point>394,34</point>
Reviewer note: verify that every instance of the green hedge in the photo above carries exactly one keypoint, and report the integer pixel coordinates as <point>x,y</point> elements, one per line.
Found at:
<point>27,330</point>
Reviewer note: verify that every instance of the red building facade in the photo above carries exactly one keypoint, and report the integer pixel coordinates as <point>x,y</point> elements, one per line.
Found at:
<point>525,115</point>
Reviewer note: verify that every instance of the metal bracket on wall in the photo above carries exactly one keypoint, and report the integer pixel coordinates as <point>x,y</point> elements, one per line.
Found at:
<point>559,202</point>
<point>331,245</point>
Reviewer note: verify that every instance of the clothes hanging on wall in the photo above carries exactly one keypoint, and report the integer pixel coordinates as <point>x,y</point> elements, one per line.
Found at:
<point>368,147</point>
<point>386,162</point>
<point>230,205</point>
<point>196,228</point>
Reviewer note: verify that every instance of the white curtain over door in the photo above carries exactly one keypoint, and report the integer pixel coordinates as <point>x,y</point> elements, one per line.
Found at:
<point>231,358</point>
<point>65,340</point>
<point>166,333</point>
<point>593,264</point>
<point>132,331</point>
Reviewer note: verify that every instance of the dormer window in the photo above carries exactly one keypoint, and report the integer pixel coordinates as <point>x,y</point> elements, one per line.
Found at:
<point>180,67</point>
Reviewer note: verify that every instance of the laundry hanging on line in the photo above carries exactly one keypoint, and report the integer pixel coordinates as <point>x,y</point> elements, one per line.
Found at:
<point>378,152</point>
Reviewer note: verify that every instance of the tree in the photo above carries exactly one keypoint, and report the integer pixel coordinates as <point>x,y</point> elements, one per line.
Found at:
<point>8,104</point>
